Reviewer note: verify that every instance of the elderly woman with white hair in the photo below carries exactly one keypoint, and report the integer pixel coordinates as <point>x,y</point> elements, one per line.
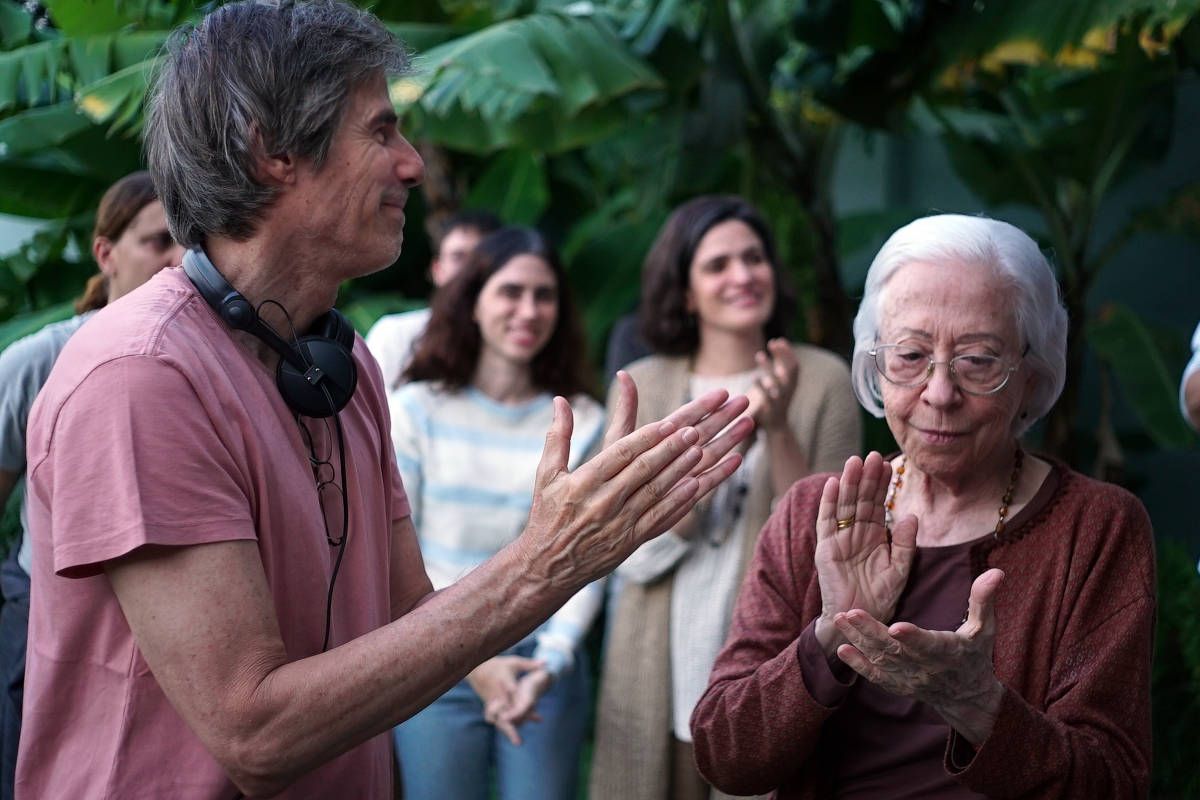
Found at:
<point>964,619</point>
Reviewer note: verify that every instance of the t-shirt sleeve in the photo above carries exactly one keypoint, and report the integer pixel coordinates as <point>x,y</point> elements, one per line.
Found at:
<point>23,369</point>
<point>409,422</point>
<point>1193,366</point>
<point>134,457</point>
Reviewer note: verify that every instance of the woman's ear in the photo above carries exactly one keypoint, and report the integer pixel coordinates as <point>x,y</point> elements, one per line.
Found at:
<point>102,248</point>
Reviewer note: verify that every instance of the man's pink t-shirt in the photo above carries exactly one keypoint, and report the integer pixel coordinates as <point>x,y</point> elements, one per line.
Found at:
<point>157,427</point>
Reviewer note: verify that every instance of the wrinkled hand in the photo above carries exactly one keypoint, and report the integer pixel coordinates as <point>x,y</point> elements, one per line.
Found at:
<point>950,670</point>
<point>497,681</point>
<point>582,524</point>
<point>857,567</point>
<point>773,388</point>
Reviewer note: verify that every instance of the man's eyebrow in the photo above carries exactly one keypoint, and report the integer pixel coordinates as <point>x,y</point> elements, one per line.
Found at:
<point>385,116</point>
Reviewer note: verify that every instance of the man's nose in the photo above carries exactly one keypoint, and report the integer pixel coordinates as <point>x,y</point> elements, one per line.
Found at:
<point>409,165</point>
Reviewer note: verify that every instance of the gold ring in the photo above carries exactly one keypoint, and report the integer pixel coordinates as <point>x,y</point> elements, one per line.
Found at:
<point>842,524</point>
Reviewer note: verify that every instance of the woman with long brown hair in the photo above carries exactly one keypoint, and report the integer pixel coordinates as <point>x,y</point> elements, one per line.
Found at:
<point>468,428</point>
<point>130,243</point>
<point>715,307</point>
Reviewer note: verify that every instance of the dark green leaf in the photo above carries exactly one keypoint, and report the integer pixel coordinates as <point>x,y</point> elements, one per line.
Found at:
<point>24,324</point>
<point>514,188</point>
<point>29,191</point>
<point>1123,342</point>
<point>134,48</point>
<point>87,17</point>
<point>421,36</point>
<point>39,128</point>
<point>29,74</point>
<point>15,25</point>
<point>90,57</point>
<point>116,98</point>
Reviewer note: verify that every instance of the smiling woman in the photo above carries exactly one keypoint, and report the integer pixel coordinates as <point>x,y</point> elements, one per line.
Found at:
<point>716,307</point>
<point>502,339</point>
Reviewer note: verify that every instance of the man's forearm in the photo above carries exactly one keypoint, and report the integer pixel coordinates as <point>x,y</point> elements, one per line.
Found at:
<point>268,720</point>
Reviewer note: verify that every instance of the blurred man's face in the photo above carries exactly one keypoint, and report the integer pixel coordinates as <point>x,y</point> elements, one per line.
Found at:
<point>456,247</point>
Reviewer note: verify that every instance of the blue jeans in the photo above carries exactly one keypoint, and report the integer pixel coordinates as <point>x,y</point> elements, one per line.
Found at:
<point>14,629</point>
<point>448,750</point>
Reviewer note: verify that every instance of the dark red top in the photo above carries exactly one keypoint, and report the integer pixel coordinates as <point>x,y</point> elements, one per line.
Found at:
<point>1074,638</point>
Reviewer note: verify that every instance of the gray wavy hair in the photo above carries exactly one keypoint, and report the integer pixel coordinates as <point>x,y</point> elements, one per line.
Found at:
<point>254,78</point>
<point>973,241</point>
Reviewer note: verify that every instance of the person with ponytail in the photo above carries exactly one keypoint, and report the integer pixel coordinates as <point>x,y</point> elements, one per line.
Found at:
<point>130,243</point>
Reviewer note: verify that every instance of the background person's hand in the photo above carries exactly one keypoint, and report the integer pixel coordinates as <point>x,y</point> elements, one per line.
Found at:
<point>857,566</point>
<point>523,704</point>
<point>497,681</point>
<point>950,670</point>
<point>779,372</point>
<point>582,524</point>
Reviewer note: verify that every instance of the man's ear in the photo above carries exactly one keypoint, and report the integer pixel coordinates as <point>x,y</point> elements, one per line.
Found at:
<point>278,168</point>
<point>102,248</point>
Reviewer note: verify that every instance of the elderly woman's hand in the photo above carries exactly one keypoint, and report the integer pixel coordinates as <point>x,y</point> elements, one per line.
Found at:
<point>773,388</point>
<point>857,566</point>
<point>950,670</point>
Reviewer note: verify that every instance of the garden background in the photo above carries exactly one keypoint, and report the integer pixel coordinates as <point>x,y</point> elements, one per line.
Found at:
<point>1077,120</point>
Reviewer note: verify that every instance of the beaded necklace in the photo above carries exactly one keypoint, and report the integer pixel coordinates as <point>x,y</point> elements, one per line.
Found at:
<point>1005,502</point>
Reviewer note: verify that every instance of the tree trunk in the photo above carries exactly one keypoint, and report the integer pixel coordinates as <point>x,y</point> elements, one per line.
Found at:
<point>829,322</point>
<point>442,192</point>
<point>1062,440</point>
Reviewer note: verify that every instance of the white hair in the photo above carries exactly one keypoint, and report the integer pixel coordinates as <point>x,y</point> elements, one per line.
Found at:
<point>1014,257</point>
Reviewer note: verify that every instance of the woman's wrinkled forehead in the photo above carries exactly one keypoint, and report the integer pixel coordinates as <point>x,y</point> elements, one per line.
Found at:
<point>947,296</point>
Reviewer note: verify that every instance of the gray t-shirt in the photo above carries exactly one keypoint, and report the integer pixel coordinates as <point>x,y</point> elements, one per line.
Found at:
<point>24,367</point>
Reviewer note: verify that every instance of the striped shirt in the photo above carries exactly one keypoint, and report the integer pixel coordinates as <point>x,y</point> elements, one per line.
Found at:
<point>468,465</point>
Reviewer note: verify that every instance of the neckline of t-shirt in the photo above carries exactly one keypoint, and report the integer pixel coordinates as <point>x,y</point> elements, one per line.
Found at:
<point>510,410</point>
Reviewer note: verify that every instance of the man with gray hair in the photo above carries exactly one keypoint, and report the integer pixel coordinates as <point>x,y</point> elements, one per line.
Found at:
<point>189,635</point>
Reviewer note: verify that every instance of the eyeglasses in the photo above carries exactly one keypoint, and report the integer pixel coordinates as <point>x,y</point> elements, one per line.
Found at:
<point>330,494</point>
<point>975,373</point>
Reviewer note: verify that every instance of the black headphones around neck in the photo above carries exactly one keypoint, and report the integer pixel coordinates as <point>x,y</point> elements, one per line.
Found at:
<point>317,374</point>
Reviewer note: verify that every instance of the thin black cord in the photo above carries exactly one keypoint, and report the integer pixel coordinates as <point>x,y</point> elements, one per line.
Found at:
<point>341,543</point>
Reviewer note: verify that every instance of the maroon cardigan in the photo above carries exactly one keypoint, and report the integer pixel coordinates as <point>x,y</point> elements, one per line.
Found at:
<point>1074,639</point>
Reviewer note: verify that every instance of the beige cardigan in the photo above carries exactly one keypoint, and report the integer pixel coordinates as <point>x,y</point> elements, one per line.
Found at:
<point>633,725</point>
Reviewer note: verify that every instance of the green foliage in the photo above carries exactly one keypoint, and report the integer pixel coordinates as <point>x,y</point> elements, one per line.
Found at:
<point>38,275</point>
<point>16,25</point>
<point>513,187</point>
<point>1175,681</point>
<point>1127,347</point>
<point>545,82</point>
<point>25,324</point>
<point>364,310</point>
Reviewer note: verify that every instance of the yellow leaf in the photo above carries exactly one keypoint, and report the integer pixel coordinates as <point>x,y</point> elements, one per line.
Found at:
<point>95,107</point>
<point>1016,51</point>
<point>405,91</point>
<point>1077,57</point>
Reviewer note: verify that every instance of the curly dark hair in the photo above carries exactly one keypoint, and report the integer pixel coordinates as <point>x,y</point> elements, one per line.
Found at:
<point>666,324</point>
<point>448,350</point>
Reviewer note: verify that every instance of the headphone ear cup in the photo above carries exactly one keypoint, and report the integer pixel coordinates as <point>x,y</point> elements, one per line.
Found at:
<point>340,377</point>
<point>334,325</point>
